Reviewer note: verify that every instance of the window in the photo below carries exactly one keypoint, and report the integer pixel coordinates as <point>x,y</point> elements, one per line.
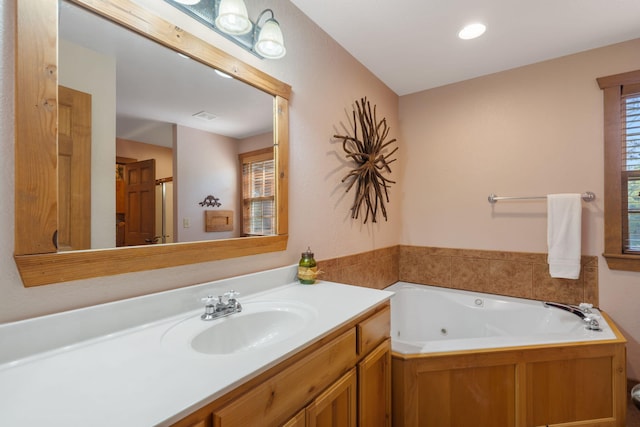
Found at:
<point>258,193</point>
<point>622,169</point>
<point>631,171</point>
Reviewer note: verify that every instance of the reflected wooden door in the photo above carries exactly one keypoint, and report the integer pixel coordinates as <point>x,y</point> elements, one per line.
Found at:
<point>74,169</point>
<point>140,203</point>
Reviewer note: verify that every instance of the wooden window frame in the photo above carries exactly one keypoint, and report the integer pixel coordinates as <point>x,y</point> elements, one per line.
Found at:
<point>612,88</point>
<point>251,157</point>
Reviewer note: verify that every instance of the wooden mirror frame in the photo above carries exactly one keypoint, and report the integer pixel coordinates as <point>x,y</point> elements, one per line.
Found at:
<point>36,119</point>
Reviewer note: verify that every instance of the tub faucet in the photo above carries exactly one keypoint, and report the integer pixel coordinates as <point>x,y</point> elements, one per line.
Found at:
<point>583,311</point>
<point>221,306</point>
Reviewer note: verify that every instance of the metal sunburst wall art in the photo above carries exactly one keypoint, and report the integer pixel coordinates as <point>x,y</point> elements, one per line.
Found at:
<point>368,149</point>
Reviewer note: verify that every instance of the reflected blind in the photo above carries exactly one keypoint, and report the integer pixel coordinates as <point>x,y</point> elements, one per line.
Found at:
<point>630,110</point>
<point>258,189</point>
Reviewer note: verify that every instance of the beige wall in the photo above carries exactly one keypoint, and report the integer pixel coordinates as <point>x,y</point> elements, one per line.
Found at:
<point>95,74</point>
<point>529,131</point>
<point>143,151</point>
<point>207,165</point>
<point>325,80</point>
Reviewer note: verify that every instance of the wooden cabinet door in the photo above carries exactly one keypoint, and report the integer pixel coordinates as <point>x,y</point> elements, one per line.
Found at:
<point>374,377</point>
<point>203,423</point>
<point>140,203</point>
<point>299,420</point>
<point>336,406</point>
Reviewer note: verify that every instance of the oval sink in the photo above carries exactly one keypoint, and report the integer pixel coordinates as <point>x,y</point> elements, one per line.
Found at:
<point>259,324</point>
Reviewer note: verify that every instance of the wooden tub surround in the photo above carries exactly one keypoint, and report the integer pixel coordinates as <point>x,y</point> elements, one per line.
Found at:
<point>575,384</point>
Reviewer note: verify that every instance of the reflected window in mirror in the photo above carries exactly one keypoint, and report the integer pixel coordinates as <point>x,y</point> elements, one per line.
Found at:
<point>258,193</point>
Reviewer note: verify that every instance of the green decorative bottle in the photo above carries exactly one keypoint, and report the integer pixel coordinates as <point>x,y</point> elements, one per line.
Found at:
<point>307,270</point>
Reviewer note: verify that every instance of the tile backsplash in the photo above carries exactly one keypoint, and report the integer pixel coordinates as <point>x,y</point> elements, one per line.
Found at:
<point>517,274</point>
<point>374,269</point>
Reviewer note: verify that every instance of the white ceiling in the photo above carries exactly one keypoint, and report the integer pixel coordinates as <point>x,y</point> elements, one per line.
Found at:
<point>412,45</point>
<point>155,87</point>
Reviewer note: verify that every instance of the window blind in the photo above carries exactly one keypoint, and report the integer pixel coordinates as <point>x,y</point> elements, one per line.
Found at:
<point>258,189</point>
<point>630,110</point>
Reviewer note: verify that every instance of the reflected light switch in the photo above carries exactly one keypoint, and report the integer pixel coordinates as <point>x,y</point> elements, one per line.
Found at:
<point>186,223</point>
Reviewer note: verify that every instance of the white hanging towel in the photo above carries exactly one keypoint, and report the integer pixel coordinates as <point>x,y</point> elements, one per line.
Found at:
<point>564,233</point>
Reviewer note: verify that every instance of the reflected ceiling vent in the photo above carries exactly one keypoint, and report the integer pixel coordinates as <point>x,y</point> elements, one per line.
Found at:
<point>203,115</point>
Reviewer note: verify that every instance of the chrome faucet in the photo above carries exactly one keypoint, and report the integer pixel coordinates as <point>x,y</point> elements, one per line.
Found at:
<point>221,306</point>
<point>583,311</point>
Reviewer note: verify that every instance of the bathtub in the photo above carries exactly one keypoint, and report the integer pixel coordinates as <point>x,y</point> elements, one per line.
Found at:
<point>466,358</point>
<point>427,319</point>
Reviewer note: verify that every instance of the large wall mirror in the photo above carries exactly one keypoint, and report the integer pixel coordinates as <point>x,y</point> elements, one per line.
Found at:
<point>70,213</point>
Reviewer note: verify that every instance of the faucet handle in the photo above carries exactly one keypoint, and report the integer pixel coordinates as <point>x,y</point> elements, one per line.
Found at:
<point>232,301</point>
<point>229,295</point>
<point>585,307</point>
<point>208,300</point>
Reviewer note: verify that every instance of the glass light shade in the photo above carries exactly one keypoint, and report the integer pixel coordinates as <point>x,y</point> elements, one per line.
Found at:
<point>270,43</point>
<point>188,2</point>
<point>233,17</point>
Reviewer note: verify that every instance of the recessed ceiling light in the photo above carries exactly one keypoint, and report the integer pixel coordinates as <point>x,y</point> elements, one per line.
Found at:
<point>472,31</point>
<point>222,74</point>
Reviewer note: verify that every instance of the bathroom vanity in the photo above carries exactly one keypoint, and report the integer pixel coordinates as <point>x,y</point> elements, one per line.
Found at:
<point>343,379</point>
<point>296,355</point>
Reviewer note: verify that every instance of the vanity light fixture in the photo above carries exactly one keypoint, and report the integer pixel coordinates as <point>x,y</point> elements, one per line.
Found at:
<point>230,19</point>
<point>270,41</point>
<point>233,18</point>
<point>472,31</point>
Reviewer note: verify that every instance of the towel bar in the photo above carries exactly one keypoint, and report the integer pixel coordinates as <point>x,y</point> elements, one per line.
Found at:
<point>587,197</point>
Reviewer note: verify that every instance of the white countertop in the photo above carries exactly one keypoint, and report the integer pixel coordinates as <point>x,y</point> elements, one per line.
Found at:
<point>130,378</point>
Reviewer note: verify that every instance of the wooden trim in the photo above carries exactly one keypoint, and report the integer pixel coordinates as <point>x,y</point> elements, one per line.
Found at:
<point>281,151</point>
<point>260,155</point>
<point>163,180</point>
<point>631,77</point>
<point>140,20</point>
<point>623,262</point>
<point>36,192</point>
<point>612,88</point>
<point>256,155</point>
<point>45,269</point>
<point>124,160</point>
<point>36,150</point>
<point>612,161</point>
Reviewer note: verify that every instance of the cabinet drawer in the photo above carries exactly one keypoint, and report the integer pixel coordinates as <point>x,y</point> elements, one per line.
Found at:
<point>374,330</point>
<point>278,398</point>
